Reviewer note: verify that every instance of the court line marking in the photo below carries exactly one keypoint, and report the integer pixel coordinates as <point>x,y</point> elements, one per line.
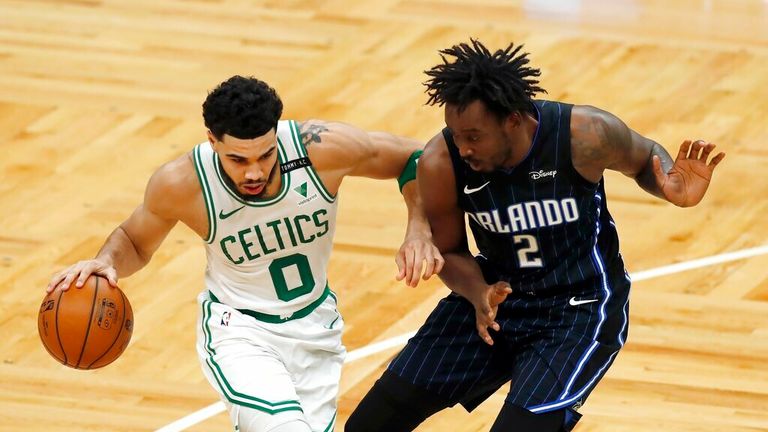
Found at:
<point>369,350</point>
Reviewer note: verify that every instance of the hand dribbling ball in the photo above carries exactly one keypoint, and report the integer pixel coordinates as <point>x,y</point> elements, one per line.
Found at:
<point>88,327</point>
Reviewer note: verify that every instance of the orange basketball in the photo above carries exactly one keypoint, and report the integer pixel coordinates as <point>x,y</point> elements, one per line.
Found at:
<point>88,327</point>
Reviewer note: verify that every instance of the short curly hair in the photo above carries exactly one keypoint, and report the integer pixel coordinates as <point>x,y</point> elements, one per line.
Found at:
<point>242,107</point>
<point>502,80</point>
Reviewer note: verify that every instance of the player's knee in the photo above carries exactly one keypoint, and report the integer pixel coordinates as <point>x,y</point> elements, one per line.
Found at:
<point>513,417</point>
<point>252,420</point>
<point>393,405</point>
<point>292,426</point>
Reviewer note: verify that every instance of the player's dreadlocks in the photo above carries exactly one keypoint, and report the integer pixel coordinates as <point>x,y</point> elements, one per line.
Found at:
<point>501,80</point>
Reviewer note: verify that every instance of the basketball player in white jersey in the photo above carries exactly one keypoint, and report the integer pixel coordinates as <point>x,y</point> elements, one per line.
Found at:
<point>261,193</point>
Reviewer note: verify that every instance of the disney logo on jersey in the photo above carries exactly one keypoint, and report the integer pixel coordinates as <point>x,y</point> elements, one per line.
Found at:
<point>542,175</point>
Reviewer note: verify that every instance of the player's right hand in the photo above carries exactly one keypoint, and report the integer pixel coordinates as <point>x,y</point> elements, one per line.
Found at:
<point>487,307</point>
<point>687,181</point>
<point>79,273</point>
<point>418,253</point>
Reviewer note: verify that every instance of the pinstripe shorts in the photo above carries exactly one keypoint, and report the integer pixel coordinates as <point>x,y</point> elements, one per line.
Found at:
<point>553,348</point>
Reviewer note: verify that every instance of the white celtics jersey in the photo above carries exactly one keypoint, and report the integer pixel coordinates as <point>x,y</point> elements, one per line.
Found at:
<point>268,257</point>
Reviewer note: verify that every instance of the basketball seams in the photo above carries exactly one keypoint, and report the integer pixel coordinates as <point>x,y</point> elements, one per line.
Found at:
<point>66,326</point>
<point>58,335</point>
<point>90,320</point>
<point>117,337</point>
<point>45,339</point>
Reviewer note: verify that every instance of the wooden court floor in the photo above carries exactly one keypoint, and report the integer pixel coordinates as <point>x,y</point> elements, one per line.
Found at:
<point>96,94</point>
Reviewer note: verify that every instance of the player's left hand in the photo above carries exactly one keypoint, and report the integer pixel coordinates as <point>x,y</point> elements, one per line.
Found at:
<point>418,254</point>
<point>486,308</point>
<point>687,182</point>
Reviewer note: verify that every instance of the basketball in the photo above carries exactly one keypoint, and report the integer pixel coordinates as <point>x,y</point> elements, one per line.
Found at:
<point>88,327</point>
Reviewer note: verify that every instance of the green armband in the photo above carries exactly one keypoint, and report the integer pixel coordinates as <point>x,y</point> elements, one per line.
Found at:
<point>409,171</point>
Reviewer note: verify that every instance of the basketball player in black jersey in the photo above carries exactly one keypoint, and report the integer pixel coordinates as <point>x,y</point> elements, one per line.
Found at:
<point>544,306</point>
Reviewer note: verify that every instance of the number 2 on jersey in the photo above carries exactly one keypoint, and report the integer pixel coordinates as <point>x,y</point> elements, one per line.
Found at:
<point>526,254</point>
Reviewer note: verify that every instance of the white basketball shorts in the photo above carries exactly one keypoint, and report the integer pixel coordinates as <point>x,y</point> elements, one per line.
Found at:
<point>278,372</point>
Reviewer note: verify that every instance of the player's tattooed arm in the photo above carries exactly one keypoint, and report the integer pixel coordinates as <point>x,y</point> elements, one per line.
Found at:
<point>601,141</point>
<point>310,132</point>
<point>590,146</point>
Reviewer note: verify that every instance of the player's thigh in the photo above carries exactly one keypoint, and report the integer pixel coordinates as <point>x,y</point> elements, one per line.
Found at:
<point>242,365</point>
<point>561,367</point>
<point>446,356</point>
<point>315,357</point>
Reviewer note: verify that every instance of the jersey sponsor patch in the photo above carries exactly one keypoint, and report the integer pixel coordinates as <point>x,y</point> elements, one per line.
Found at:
<point>303,191</point>
<point>541,175</point>
<point>295,164</point>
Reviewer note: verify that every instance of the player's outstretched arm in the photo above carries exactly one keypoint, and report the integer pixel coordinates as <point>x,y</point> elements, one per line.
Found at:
<point>131,245</point>
<point>340,149</point>
<point>602,141</point>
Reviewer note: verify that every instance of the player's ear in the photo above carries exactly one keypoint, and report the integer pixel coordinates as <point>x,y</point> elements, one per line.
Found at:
<point>211,138</point>
<point>513,120</point>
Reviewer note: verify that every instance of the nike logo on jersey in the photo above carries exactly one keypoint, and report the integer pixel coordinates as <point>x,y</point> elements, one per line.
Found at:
<point>468,190</point>
<point>223,215</point>
<point>574,302</point>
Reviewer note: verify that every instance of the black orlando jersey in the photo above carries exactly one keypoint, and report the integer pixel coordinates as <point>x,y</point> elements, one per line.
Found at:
<point>540,224</point>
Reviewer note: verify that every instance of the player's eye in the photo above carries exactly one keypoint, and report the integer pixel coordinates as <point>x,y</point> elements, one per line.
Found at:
<point>266,155</point>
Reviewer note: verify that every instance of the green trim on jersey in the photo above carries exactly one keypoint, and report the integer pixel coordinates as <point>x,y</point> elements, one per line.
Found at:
<point>207,194</point>
<point>286,180</point>
<point>276,319</point>
<point>310,169</point>
<point>230,393</point>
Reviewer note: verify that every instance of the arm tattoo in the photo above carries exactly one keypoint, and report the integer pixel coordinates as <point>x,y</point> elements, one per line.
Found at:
<point>646,178</point>
<point>592,146</point>
<point>594,142</point>
<point>310,133</point>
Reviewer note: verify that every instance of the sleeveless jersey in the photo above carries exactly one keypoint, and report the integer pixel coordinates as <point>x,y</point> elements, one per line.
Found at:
<point>268,256</point>
<point>540,224</point>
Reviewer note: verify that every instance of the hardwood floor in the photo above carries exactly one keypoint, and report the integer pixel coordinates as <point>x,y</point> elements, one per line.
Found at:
<point>96,94</point>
